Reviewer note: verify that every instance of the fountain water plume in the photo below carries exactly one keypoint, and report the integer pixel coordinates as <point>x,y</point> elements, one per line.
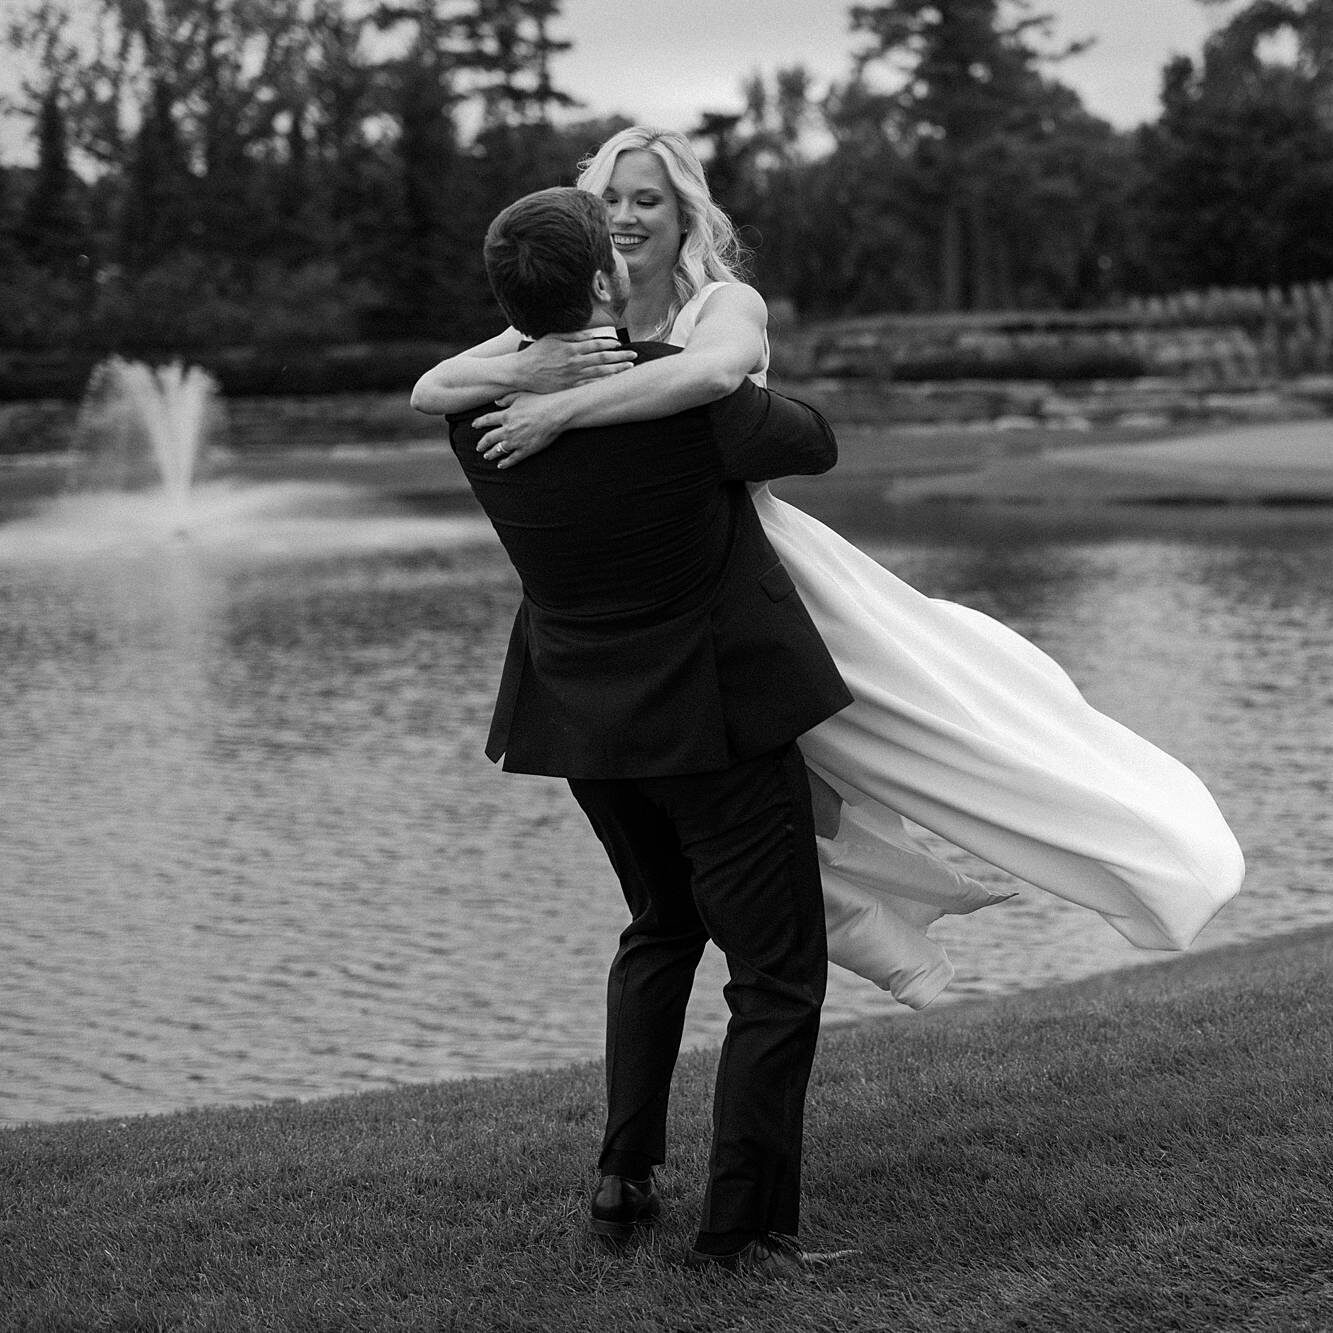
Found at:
<point>144,469</point>
<point>141,427</point>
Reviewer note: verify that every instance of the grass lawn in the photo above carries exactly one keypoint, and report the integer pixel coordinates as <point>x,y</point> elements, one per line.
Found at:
<point>1148,1151</point>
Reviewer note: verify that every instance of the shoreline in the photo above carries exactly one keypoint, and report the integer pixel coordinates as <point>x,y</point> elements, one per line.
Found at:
<point>1152,973</point>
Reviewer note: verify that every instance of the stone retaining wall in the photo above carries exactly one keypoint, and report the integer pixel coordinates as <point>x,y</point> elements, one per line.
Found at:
<point>1143,404</point>
<point>1220,337</point>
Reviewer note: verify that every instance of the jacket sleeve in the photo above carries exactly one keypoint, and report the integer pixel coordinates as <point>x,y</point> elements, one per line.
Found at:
<point>761,435</point>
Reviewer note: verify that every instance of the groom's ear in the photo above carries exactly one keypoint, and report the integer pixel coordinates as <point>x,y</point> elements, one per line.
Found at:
<point>603,290</point>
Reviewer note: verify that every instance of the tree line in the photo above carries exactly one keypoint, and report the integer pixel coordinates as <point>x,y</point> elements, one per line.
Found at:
<point>216,173</point>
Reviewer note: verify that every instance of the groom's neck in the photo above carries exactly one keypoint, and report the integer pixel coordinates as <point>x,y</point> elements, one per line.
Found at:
<point>603,317</point>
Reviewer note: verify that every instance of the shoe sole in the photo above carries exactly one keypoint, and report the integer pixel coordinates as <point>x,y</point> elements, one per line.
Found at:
<point>806,1264</point>
<point>621,1233</point>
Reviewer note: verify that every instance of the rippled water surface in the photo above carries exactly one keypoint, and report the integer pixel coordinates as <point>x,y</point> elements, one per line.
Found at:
<point>250,848</point>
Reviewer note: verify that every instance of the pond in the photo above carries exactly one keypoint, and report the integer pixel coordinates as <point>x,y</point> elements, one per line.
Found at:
<point>250,848</point>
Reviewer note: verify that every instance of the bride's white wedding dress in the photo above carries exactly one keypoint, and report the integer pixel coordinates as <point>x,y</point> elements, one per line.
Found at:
<point>967,729</point>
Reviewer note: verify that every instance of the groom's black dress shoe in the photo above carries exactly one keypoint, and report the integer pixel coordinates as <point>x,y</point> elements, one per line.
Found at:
<point>766,1256</point>
<point>620,1206</point>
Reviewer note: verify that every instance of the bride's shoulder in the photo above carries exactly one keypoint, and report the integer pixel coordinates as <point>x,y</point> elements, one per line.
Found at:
<point>728,292</point>
<point>737,299</point>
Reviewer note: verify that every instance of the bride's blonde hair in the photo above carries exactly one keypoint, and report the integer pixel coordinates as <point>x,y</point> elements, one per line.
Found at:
<point>710,250</point>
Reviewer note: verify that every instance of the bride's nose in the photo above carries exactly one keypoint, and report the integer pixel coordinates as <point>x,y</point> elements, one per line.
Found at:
<point>622,210</point>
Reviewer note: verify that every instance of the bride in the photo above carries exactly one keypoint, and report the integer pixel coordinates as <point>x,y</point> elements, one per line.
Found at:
<point>959,724</point>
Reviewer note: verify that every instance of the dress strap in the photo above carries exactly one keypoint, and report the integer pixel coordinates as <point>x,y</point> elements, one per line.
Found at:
<point>684,323</point>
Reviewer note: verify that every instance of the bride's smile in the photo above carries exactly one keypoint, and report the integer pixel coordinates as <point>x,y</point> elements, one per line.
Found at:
<point>645,215</point>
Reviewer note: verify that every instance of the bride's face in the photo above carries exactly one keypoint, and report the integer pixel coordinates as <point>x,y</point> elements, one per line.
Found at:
<point>646,224</point>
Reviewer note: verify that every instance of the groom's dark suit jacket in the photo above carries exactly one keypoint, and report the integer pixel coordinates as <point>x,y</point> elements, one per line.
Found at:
<point>659,634</point>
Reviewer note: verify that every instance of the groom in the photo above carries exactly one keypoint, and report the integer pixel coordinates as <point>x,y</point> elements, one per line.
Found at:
<point>662,662</point>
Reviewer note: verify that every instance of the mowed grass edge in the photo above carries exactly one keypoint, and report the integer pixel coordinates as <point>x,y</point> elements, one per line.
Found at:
<point>1148,1150</point>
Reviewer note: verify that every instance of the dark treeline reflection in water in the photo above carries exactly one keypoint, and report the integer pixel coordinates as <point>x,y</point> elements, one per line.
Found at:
<point>250,848</point>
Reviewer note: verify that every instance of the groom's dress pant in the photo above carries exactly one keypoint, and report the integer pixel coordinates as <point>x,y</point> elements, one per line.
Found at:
<point>728,856</point>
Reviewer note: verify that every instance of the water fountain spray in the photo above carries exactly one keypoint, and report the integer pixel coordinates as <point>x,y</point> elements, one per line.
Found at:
<point>141,427</point>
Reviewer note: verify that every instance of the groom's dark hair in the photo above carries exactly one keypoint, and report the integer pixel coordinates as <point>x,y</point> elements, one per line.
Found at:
<point>541,255</point>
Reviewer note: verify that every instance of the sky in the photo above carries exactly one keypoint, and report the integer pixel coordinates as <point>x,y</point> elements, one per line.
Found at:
<point>665,60</point>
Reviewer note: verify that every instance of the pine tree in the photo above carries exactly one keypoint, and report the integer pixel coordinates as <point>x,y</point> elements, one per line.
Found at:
<point>51,232</point>
<point>1239,168</point>
<point>970,108</point>
<point>155,216</point>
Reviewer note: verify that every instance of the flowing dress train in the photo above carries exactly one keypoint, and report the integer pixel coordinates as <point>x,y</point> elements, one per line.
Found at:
<point>965,728</point>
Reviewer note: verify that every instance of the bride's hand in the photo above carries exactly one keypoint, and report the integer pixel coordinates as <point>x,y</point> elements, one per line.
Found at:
<point>525,424</point>
<point>564,360</point>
